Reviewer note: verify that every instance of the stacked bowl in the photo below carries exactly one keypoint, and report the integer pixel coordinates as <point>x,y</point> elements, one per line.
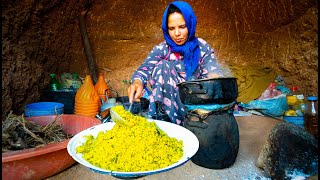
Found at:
<point>87,99</point>
<point>43,109</point>
<point>101,87</point>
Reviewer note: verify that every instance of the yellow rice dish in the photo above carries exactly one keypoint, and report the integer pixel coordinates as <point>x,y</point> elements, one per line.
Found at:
<point>138,145</point>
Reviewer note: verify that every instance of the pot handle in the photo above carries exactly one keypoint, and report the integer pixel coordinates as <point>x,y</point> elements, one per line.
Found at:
<point>226,108</point>
<point>199,90</point>
<point>199,124</point>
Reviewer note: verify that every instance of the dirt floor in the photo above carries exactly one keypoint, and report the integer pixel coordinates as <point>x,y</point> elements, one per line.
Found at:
<point>253,131</point>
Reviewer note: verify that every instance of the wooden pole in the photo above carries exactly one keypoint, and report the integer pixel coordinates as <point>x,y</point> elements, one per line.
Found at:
<point>87,48</point>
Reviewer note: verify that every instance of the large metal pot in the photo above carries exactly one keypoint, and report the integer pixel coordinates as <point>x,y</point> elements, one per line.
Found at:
<point>209,91</point>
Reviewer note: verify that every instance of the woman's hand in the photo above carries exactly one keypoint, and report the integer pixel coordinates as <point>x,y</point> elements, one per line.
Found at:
<point>135,91</point>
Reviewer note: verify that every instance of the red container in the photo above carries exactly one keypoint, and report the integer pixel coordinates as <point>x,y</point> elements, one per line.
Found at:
<point>43,162</point>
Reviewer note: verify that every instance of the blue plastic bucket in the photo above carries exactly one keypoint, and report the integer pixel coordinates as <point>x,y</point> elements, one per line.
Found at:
<point>43,109</point>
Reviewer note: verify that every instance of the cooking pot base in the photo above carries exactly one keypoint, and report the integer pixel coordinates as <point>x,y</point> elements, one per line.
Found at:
<point>218,138</point>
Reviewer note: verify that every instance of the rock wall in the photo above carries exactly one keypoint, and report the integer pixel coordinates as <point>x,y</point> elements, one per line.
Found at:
<point>278,34</point>
<point>42,37</point>
<point>35,43</point>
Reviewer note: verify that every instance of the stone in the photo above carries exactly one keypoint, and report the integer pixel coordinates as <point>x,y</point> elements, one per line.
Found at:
<point>289,151</point>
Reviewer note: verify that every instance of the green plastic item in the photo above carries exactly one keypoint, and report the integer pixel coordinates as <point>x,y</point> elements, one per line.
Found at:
<point>76,81</point>
<point>54,85</point>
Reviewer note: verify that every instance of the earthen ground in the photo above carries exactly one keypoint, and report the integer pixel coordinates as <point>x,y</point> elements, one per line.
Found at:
<point>253,131</point>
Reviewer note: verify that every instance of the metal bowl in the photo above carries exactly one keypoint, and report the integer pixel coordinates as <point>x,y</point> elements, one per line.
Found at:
<point>190,147</point>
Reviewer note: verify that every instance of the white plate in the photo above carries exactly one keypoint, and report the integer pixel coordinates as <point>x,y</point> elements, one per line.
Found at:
<point>190,147</point>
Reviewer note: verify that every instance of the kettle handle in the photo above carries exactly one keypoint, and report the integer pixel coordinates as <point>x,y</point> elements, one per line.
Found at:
<point>102,101</point>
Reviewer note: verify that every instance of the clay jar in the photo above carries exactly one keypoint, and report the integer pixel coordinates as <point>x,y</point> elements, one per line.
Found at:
<point>218,137</point>
<point>87,99</point>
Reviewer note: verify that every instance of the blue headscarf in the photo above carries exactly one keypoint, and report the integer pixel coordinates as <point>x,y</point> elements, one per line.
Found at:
<point>190,49</point>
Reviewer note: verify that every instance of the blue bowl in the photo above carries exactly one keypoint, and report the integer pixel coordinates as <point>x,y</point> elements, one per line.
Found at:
<point>43,109</point>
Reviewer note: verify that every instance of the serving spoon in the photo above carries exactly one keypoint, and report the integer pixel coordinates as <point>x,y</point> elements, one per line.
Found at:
<point>115,116</point>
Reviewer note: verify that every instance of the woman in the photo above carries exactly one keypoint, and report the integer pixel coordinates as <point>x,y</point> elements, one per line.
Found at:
<point>182,56</point>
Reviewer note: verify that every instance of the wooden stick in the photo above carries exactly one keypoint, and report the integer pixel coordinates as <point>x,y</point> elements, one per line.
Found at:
<point>30,132</point>
<point>55,119</point>
<point>87,49</point>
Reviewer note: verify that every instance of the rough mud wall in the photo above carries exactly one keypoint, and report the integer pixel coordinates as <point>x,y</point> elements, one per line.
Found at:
<point>42,37</point>
<point>35,37</point>
<point>278,34</point>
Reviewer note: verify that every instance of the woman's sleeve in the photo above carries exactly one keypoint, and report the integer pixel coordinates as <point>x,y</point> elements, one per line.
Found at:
<point>144,72</point>
<point>208,62</point>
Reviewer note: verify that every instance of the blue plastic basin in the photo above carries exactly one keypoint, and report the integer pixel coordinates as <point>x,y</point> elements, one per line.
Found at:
<point>43,109</point>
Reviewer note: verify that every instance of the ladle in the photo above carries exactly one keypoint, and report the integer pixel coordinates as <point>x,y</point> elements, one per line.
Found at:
<point>118,119</point>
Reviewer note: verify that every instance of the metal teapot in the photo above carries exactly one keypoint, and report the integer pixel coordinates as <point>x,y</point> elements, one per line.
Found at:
<point>105,108</point>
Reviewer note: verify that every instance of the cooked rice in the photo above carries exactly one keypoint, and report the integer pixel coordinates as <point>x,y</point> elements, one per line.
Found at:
<point>136,146</point>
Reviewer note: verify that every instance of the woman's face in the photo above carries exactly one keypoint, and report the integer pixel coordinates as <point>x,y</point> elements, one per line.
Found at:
<point>177,28</point>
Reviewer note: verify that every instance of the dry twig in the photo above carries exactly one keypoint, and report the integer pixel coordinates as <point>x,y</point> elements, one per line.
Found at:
<point>30,132</point>
<point>19,133</point>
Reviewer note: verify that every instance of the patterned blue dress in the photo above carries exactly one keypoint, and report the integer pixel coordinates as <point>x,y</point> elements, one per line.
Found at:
<point>164,69</point>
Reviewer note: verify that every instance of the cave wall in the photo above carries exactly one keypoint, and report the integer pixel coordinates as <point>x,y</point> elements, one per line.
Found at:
<point>35,37</point>
<point>43,37</point>
<point>278,34</point>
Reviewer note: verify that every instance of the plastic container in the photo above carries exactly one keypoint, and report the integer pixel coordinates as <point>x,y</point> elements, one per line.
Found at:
<point>87,92</point>
<point>46,161</point>
<point>296,120</point>
<point>299,106</point>
<point>76,81</point>
<point>93,114</point>
<point>54,85</point>
<point>86,110</point>
<point>295,101</point>
<point>87,97</point>
<point>101,87</point>
<point>43,109</point>
<point>291,98</point>
<point>311,115</point>
<point>65,97</point>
